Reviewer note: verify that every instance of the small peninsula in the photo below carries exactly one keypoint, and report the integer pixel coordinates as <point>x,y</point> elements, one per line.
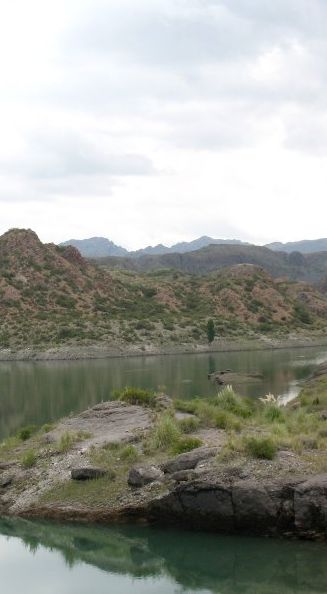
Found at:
<point>225,464</point>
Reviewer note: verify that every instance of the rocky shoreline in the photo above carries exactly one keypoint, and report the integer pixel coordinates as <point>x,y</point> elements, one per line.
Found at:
<point>98,467</point>
<point>105,351</point>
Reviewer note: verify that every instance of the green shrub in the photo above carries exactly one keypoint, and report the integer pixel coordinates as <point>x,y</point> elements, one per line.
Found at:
<point>135,396</point>
<point>186,444</point>
<point>189,424</point>
<point>261,447</point>
<point>26,432</point>
<point>29,459</point>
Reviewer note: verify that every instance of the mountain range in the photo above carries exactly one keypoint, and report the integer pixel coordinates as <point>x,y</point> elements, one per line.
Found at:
<point>100,247</point>
<point>295,266</point>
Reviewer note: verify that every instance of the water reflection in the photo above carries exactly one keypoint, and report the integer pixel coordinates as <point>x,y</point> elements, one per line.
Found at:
<point>69,559</point>
<point>42,391</point>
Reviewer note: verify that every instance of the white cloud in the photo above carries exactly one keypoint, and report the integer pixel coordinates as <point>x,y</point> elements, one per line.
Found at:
<point>163,119</point>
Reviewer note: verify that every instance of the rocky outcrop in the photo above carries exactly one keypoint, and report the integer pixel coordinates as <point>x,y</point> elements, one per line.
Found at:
<point>87,473</point>
<point>104,423</point>
<point>189,460</point>
<point>144,475</point>
<point>223,378</point>
<point>288,507</point>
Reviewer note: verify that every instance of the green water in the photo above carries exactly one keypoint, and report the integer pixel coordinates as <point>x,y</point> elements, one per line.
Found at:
<point>40,558</point>
<point>38,392</point>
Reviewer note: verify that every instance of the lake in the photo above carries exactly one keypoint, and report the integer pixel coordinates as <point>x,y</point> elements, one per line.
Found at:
<point>38,392</point>
<point>43,558</point>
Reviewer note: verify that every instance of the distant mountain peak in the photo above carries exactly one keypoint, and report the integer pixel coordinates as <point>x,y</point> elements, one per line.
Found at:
<point>306,246</point>
<point>96,247</point>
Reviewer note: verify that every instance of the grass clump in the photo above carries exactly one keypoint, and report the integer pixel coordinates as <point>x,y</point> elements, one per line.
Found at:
<point>166,434</point>
<point>273,413</point>
<point>186,444</point>
<point>226,420</point>
<point>129,453</point>
<point>229,401</point>
<point>189,424</point>
<point>186,406</point>
<point>135,396</point>
<point>66,441</point>
<point>261,447</point>
<point>26,433</point>
<point>47,427</point>
<point>29,459</point>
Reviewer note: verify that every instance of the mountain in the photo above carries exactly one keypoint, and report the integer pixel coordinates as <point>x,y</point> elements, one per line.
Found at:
<point>185,246</point>
<point>50,295</point>
<point>307,246</point>
<point>100,247</point>
<point>96,247</point>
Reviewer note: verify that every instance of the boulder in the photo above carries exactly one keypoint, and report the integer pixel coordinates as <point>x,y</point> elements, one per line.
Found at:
<point>87,473</point>
<point>144,475</point>
<point>189,460</point>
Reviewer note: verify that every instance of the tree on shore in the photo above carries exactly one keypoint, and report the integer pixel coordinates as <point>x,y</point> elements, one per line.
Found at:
<point>210,331</point>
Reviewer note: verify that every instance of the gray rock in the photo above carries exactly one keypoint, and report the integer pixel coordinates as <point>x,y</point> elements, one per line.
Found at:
<point>310,505</point>
<point>6,465</point>
<point>183,475</point>
<point>323,415</point>
<point>189,460</point>
<point>255,506</point>
<point>144,475</point>
<point>6,481</point>
<point>87,473</point>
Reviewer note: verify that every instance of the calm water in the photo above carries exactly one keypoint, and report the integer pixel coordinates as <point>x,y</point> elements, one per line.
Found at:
<point>39,558</point>
<point>43,391</point>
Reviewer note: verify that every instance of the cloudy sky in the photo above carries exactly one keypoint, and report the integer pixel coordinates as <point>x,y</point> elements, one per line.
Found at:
<point>162,120</point>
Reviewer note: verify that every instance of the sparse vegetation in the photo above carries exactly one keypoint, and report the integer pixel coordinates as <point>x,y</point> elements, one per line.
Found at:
<point>186,444</point>
<point>135,396</point>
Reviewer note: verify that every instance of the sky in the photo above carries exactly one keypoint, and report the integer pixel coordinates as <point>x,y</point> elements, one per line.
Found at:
<point>159,121</point>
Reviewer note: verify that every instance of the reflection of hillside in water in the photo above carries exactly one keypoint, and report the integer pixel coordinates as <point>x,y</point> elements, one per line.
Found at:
<point>195,561</point>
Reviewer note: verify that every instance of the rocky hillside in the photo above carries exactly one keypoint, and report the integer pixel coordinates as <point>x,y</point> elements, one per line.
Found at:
<point>50,295</point>
<point>306,246</point>
<point>310,268</point>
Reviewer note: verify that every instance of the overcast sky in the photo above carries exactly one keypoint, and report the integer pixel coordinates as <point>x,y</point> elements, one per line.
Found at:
<point>156,121</point>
